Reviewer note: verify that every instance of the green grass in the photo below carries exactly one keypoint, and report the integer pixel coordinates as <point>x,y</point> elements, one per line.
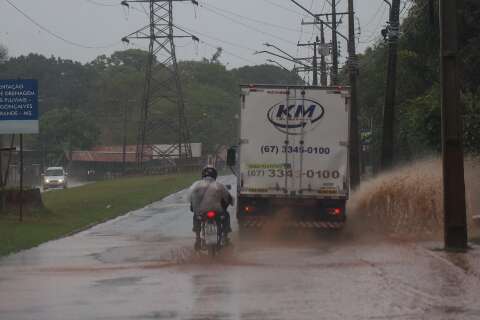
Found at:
<point>71,210</point>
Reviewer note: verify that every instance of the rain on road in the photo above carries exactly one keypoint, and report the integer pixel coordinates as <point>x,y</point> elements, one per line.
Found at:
<point>141,266</point>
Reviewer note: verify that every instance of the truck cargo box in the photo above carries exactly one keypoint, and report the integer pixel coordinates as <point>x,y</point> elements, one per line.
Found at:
<point>293,150</point>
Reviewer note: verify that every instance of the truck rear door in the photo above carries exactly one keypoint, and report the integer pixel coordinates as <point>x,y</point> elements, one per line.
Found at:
<point>265,169</point>
<point>318,141</point>
<point>294,141</point>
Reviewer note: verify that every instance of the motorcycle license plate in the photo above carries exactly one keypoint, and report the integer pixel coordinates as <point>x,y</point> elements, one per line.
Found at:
<point>211,234</point>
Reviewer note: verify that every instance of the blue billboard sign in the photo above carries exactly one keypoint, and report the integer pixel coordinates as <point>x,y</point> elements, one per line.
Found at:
<point>18,106</point>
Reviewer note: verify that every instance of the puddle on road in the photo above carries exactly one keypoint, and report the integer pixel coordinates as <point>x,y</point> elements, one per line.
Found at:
<point>107,268</point>
<point>211,316</point>
<point>118,282</point>
<point>158,315</point>
<point>407,202</point>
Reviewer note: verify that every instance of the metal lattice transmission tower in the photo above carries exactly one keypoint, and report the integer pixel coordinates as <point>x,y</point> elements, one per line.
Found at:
<point>161,33</point>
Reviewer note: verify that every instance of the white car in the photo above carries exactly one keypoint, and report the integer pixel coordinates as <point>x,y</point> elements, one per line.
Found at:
<point>54,177</point>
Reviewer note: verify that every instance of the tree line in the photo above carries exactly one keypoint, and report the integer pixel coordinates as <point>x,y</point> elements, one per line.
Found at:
<point>418,114</point>
<point>85,105</point>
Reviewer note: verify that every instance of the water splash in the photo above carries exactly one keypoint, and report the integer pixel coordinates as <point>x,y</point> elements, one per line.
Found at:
<point>407,201</point>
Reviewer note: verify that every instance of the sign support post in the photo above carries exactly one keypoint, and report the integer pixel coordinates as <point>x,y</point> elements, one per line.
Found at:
<point>19,115</point>
<point>21,177</point>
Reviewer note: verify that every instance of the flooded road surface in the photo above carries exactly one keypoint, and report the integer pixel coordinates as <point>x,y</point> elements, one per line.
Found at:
<point>141,266</point>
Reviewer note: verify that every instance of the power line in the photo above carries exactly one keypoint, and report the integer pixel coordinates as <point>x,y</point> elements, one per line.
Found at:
<point>228,52</point>
<point>250,19</point>
<point>374,38</point>
<point>373,18</point>
<point>233,44</point>
<point>405,7</point>
<point>248,26</point>
<point>323,7</point>
<point>213,46</point>
<point>59,37</point>
<point>282,7</point>
<point>100,4</point>
<point>222,40</point>
<point>374,35</point>
<point>189,31</point>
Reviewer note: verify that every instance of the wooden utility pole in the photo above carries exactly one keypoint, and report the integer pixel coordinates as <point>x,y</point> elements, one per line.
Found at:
<point>323,64</point>
<point>320,45</point>
<point>390,91</point>
<point>335,33</point>
<point>314,59</point>
<point>315,63</point>
<point>353,70</point>
<point>451,18</point>
<point>334,72</point>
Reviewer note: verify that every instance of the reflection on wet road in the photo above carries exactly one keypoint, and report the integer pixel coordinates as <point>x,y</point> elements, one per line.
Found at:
<point>141,266</point>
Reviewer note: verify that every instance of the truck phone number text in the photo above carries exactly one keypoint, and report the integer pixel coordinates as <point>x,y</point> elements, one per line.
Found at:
<point>294,149</point>
<point>281,173</point>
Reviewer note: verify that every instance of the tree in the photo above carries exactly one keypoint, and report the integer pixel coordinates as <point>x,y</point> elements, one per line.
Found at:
<point>3,53</point>
<point>418,116</point>
<point>216,55</point>
<point>63,130</point>
<point>472,45</point>
<point>82,105</point>
<point>135,58</point>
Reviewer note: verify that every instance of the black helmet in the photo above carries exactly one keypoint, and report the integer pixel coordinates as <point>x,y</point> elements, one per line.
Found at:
<point>209,171</point>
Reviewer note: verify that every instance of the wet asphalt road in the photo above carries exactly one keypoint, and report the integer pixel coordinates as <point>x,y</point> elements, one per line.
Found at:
<point>141,266</point>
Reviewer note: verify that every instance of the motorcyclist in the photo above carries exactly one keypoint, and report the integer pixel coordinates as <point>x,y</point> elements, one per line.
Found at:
<point>206,195</point>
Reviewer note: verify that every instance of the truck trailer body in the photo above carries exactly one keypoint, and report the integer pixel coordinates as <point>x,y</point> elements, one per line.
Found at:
<point>293,155</point>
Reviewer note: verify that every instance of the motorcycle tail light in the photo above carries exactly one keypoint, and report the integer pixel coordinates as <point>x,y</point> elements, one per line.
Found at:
<point>211,214</point>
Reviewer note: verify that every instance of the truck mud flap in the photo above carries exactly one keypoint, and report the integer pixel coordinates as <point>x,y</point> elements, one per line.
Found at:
<point>259,223</point>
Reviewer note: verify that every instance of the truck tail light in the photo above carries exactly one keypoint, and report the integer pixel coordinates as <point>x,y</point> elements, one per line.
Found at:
<point>249,209</point>
<point>334,211</point>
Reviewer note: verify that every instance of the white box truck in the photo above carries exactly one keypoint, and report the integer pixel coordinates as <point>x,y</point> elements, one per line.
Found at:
<point>292,159</point>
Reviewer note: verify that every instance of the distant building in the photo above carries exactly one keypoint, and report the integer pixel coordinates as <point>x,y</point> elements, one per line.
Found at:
<point>107,160</point>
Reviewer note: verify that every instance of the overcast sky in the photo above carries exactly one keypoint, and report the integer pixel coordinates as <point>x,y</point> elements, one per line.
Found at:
<point>239,27</point>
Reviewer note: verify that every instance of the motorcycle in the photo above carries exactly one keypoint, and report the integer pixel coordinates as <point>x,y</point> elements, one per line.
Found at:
<point>212,235</point>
